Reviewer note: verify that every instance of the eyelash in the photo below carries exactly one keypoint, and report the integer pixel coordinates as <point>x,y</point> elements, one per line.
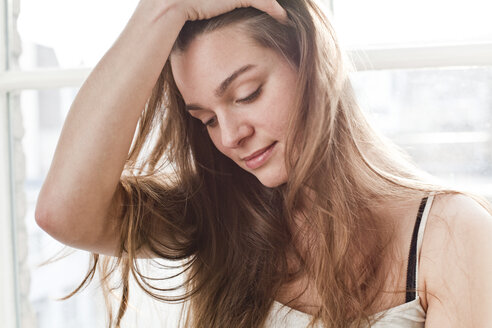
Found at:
<point>247,100</point>
<point>251,97</point>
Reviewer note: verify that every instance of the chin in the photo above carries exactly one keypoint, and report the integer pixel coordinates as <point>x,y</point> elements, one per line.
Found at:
<point>273,181</point>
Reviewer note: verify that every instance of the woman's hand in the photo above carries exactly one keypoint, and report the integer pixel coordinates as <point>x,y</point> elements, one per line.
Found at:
<point>204,9</point>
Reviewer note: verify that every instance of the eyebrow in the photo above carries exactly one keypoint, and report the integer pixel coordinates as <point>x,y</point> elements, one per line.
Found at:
<point>219,92</point>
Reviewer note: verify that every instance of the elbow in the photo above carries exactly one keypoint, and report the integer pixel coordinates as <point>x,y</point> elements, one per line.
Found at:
<point>53,221</point>
<point>64,223</point>
<point>43,215</point>
<point>52,214</point>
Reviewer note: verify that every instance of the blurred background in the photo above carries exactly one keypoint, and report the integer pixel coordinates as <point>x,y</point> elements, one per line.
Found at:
<point>423,76</point>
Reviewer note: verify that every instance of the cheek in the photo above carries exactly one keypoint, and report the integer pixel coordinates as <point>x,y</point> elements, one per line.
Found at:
<point>280,105</point>
<point>215,137</point>
<point>277,115</point>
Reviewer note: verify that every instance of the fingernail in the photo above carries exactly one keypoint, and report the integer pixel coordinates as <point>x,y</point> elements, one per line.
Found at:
<point>283,18</point>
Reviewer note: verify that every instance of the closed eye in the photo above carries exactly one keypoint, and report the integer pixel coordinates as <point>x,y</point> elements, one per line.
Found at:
<point>251,97</point>
<point>213,121</point>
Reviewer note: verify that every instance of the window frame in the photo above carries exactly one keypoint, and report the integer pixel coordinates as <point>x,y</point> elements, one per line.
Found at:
<point>9,307</point>
<point>9,301</point>
<point>373,58</point>
<point>11,80</point>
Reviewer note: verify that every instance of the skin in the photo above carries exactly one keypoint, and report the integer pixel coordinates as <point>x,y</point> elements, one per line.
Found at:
<point>253,112</point>
<point>456,261</point>
<point>456,257</point>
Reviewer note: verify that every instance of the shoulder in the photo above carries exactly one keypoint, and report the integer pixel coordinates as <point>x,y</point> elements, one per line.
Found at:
<point>457,219</point>
<point>458,216</point>
<point>456,262</point>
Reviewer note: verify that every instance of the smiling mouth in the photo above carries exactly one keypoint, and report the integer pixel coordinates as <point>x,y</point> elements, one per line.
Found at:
<point>259,157</point>
<point>256,153</point>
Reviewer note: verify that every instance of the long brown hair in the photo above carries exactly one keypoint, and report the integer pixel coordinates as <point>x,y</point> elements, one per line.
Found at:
<point>185,201</point>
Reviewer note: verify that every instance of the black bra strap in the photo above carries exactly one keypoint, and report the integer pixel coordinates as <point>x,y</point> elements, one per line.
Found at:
<point>412,256</point>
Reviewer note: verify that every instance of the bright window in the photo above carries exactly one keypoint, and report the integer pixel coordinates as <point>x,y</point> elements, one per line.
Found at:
<point>78,33</point>
<point>441,116</point>
<point>396,22</point>
<point>425,81</point>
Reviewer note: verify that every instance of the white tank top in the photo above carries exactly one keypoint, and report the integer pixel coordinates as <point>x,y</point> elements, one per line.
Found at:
<point>406,315</point>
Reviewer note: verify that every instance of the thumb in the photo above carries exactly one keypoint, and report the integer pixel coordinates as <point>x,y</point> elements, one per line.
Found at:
<point>272,8</point>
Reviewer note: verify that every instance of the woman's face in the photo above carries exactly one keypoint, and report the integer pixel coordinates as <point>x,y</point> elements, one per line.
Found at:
<point>242,93</point>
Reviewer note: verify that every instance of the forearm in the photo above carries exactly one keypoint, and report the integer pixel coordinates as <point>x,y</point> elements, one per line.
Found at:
<point>101,123</point>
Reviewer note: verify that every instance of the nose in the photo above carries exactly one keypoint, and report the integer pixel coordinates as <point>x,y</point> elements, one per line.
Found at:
<point>234,130</point>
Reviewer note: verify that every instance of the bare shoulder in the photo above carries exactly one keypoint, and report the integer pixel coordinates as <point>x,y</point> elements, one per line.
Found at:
<point>456,263</point>
<point>459,217</point>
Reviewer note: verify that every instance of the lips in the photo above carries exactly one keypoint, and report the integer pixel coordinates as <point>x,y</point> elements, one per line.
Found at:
<point>260,157</point>
<point>256,153</point>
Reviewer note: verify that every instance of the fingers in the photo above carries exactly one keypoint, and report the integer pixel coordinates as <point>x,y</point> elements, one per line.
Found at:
<point>273,8</point>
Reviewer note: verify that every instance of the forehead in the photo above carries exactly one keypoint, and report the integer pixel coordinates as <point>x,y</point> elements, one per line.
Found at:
<point>213,56</point>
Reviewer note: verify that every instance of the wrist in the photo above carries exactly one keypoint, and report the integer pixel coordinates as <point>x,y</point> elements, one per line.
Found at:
<point>158,10</point>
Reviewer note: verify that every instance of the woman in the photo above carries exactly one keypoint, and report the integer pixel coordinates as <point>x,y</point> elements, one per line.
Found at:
<point>255,169</point>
